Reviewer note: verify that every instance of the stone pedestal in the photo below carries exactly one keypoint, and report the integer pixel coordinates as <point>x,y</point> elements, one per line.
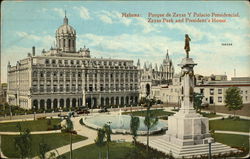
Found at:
<point>187,127</point>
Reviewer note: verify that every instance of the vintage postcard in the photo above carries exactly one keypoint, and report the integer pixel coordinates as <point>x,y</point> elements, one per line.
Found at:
<point>125,79</point>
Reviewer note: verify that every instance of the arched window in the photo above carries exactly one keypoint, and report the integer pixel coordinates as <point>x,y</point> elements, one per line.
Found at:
<point>73,43</point>
<point>64,42</point>
<point>69,43</point>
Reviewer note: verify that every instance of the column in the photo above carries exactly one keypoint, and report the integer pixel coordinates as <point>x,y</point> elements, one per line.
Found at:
<point>98,81</point>
<point>38,80</point>
<point>64,81</point>
<point>70,83</point>
<point>51,81</point>
<point>58,80</point>
<point>77,99</point>
<point>45,104</point>
<point>109,78</point>
<point>45,80</point>
<point>38,104</point>
<point>88,80</point>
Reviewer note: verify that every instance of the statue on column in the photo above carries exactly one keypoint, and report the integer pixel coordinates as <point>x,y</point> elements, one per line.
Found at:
<point>187,46</point>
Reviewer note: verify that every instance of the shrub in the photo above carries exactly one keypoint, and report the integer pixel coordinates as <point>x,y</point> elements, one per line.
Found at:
<point>81,121</point>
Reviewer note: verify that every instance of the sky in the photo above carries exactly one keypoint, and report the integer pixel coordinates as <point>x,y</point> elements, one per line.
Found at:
<point>101,28</point>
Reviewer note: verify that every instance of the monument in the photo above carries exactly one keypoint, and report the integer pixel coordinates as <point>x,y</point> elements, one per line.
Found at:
<point>187,127</point>
<point>188,132</point>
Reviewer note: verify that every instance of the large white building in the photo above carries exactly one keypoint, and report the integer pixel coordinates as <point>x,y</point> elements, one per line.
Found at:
<point>66,77</point>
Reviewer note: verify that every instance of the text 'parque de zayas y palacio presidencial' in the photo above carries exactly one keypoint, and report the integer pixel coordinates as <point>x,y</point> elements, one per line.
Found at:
<point>188,17</point>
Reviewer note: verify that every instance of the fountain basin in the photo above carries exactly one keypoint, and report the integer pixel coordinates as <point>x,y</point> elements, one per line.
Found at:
<point>121,124</point>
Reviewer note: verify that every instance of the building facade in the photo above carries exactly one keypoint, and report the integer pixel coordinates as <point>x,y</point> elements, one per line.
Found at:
<point>153,77</point>
<point>214,91</point>
<point>66,77</point>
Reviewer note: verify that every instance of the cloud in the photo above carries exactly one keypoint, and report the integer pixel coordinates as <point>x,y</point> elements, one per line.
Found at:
<point>43,40</point>
<point>111,17</point>
<point>59,11</point>
<point>106,19</point>
<point>83,12</point>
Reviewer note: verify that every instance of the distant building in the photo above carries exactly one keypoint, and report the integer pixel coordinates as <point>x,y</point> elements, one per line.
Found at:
<point>154,76</point>
<point>213,91</point>
<point>66,77</point>
<point>3,93</point>
<point>168,93</point>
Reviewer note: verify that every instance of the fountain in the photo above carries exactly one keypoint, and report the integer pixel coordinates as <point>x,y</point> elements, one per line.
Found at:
<point>121,123</point>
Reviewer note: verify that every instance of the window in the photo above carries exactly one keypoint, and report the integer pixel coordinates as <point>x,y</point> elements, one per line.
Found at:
<point>66,62</point>
<point>53,61</point>
<point>211,91</point>
<point>219,99</point>
<point>60,61</point>
<point>202,91</point>
<point>219,91</point>
<point>246,98</point>
<point>48,74</point>
<point>47,61</point>
<point>63,42</point>
<point>72,62</point>
<point>246,92</point>
<point>69,42</point>
<point>241,92</point>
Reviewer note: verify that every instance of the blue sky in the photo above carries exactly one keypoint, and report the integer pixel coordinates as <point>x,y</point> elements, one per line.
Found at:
<point>101,28</point>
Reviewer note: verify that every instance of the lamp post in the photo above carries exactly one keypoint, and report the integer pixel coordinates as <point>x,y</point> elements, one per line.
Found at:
<point>34,112</point>
<point>10,112</point>
<point>209,148</point>
<point>60,109</point>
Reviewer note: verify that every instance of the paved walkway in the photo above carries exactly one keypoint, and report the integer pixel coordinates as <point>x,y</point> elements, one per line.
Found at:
<point>232,132</point>
<point>33,132</point>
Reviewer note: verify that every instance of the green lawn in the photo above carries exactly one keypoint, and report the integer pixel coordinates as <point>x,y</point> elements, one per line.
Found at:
<point>53,140</point>
<point>156,112</point>
<point>209,115</point>
<point>230,125</point>
<point>238,141</point>
<point>37,125</point>
<point>117,151</point>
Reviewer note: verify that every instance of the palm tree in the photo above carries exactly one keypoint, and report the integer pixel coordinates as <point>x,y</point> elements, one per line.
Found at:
<point>43,148</point>
<point>134,125</point>
<point>150,121</point>
<point>108,132</point>
<point>23,143</point>
<point>69,129</point>
<point>99,141</point>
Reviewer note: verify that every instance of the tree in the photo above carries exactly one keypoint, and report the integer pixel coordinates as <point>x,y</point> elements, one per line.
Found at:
<point>134,125</point>
<point>233,99</point>
<point>108,132</point>
<point>43,148</point>
<point>150,121</point>
<point>99,141</point>
<point>197,101</point>
<point>69,129</point>
<point>23,143</point>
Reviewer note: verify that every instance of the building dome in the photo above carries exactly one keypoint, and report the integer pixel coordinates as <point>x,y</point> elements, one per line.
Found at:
<point>66,37</point>
<point>65,29</point>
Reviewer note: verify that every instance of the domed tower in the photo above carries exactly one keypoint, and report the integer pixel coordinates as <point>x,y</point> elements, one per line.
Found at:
<point>66,37</point>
